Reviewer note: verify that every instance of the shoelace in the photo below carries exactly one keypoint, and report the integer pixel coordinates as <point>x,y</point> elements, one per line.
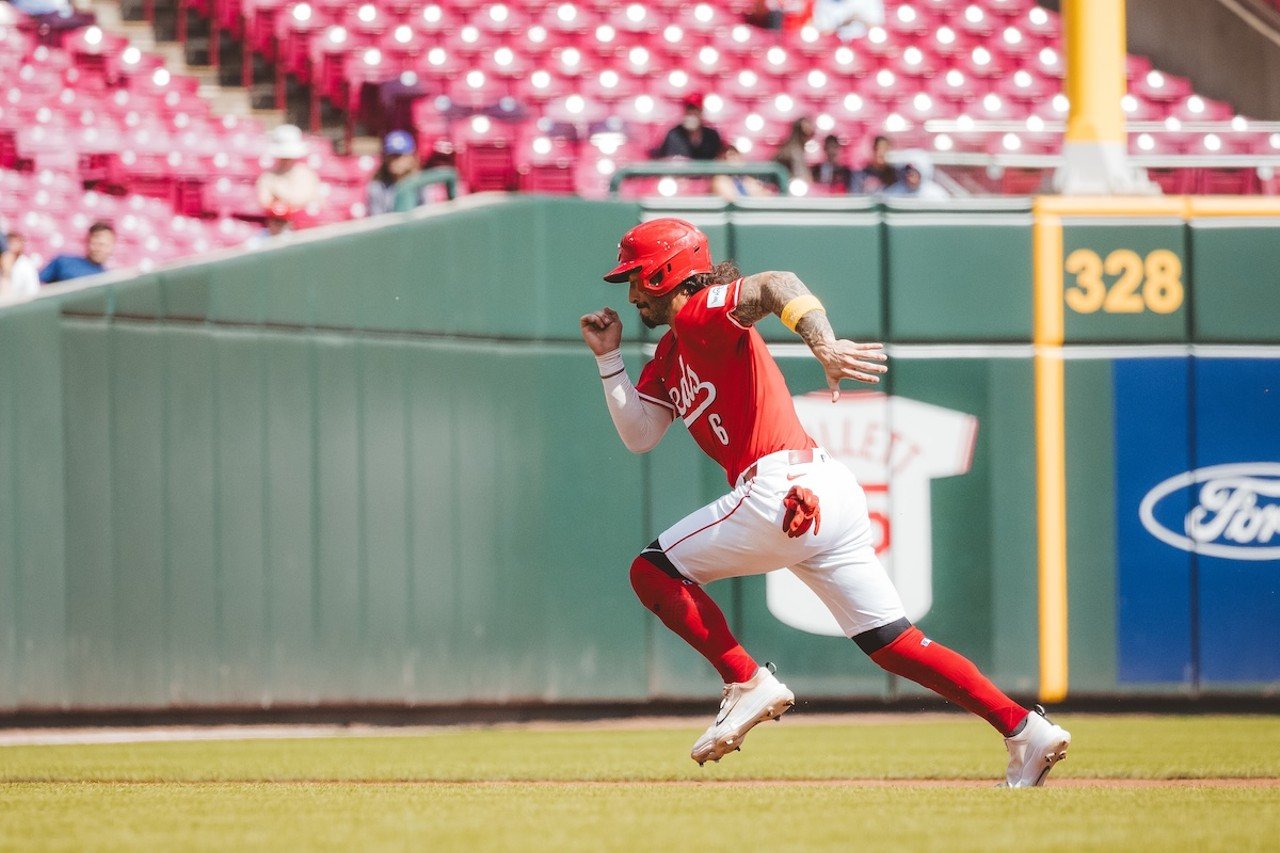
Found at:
<point>722,714</point>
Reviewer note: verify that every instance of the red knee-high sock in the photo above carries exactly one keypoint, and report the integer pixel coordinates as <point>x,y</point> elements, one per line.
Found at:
<point>952,675</point>
<point>687,609</point>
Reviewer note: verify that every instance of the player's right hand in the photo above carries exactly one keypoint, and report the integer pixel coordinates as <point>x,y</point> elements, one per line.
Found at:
<point>602,330</point>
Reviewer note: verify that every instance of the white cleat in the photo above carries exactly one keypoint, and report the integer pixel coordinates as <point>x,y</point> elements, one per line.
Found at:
<point>744,705</point>
<point>1034,750</point>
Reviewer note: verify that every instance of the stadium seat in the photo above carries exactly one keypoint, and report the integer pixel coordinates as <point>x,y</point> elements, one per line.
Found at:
<point>1227,182</point>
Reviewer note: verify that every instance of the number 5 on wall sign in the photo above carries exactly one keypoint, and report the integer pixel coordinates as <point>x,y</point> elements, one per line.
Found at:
<point>1141,284</point>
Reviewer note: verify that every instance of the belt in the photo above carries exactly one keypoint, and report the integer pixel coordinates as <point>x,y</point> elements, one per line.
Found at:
<point>795,457</point>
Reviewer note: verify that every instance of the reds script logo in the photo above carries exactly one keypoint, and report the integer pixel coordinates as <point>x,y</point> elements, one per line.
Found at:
<point>692,396</point>
<point>1236,511</point>
<point>894,446</point>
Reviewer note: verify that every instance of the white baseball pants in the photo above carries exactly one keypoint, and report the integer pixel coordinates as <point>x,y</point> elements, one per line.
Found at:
<point>741,534</point>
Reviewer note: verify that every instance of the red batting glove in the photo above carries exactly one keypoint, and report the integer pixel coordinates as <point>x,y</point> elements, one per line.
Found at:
<point>802,510</point>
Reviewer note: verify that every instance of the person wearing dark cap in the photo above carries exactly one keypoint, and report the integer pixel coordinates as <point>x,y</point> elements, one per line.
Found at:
<point>399,160</point>
<point>692,137</point>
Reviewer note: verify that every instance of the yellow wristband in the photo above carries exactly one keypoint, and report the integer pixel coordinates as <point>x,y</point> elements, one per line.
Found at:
<point>797,308</point>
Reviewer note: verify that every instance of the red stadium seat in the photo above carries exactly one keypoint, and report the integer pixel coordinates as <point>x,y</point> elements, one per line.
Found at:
<point>1228,182</point>
<point>1023,181</point>
<point>973,19</point>
<point>1177,181</point>
<point>547,164</point>
<point>369,20</point>
<point>1161,88</point>
<point>488,164</point>
<point>569,17</point>
<point>476,90</point>
<point>499,18</point>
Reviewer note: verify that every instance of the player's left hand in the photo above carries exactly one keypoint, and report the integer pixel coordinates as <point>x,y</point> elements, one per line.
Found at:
<point>843,359</point>
<point>802,510</point>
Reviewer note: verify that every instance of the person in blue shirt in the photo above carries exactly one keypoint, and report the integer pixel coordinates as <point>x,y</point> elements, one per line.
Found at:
<point>99,245</point>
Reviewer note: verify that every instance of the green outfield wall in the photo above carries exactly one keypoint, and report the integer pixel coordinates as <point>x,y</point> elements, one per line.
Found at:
<point>372,465</point>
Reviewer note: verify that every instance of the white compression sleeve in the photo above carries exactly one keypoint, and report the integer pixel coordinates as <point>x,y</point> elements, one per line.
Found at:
<point>640,424</point>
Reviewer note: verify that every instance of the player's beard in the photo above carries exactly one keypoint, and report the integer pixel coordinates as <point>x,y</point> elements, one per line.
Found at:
<point>647,318</point>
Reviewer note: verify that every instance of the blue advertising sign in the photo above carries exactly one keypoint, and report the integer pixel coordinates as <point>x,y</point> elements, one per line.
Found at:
<point>1234,523</point>
<point>1198,527</point>
<point>1153,580</point>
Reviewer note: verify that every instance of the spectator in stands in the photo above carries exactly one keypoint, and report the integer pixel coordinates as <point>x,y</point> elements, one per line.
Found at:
<point>832,172</point>
<point>99,244</point>
<point>50,16</point>
<point>277,220</point>
<point>917,179</point>
<point>42,7</point>
<point>765,14</point>
<point>290,179</point>
<point>18,274</point>
<point>791,16</point>
<point>399,160</point>
<point>692,137</point>
<point>791,154</point>
<point>729,186</point>
<point>848,19</point>
<point>442,155</point>
<point>879,173</point>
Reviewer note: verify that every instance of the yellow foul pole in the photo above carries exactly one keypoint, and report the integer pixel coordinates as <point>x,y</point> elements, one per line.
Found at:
<point>1095,146</point>
<point>1051,453</point>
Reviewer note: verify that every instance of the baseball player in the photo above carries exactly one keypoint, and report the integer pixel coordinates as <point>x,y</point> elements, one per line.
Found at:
<point>791,504</point>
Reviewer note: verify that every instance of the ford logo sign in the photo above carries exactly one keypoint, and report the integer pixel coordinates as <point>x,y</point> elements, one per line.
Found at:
<point>1232,511</point>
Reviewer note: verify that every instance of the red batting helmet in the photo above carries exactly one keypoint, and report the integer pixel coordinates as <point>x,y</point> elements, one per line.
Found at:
<point>665,251</point>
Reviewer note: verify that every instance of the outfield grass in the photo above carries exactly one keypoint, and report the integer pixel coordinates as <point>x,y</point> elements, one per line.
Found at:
<point>794,786</point>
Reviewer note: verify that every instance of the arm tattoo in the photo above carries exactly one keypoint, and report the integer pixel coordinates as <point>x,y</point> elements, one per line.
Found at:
<point>768,293</point>
<point>815,329</point>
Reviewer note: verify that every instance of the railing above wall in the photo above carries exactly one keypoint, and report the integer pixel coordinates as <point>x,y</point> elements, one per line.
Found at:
<point>773,172</point>
<point>409,191</point>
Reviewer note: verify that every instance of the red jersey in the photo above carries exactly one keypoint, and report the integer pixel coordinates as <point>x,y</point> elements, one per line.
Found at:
<point>718,376</point>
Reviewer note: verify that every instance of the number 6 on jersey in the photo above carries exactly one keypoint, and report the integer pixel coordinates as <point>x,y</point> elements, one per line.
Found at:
<point>717,427</point>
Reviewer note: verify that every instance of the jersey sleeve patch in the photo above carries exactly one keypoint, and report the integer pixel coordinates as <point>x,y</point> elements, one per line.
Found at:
<point>716,298</point>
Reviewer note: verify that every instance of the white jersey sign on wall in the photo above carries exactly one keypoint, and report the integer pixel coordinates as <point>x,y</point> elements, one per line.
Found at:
<point>895,447</point>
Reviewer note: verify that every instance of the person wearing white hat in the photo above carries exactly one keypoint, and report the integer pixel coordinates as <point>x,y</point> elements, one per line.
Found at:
<point>917,179</point>
<point>289,180</point>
